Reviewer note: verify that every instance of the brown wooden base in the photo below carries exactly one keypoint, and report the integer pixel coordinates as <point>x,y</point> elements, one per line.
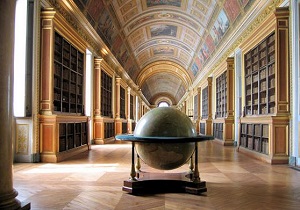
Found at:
<point>150,183</point>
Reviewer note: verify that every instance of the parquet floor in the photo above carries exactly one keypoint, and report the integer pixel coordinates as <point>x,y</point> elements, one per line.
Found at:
<point>94,179</point>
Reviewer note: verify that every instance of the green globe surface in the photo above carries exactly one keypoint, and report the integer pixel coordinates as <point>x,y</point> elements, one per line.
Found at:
<point>165,122</point>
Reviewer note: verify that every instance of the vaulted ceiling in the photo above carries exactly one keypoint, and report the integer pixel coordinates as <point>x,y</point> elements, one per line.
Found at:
<point>162,44</point>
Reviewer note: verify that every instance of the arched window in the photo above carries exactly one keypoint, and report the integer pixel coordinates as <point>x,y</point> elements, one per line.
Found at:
<point>163,104</point>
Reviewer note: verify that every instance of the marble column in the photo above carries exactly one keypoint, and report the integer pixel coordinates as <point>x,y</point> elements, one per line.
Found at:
<point>7,193</point>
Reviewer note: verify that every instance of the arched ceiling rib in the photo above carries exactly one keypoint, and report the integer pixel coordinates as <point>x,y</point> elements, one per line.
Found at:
<point>140,33</point>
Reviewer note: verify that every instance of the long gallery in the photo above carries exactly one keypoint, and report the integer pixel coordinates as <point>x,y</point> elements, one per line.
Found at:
<point>77,73</point>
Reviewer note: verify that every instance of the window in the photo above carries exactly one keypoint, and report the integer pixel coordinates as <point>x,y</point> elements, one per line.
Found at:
<point>163,104</point>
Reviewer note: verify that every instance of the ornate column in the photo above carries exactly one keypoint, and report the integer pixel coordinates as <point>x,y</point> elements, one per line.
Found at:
<point>229,119</point>
<point>129,126</point>
<point>47,120</point>
<point>118,123</point>
<point>282,61</point>
<point>7,193</point>
<point>97,86</point>
<point>198,109</point>
<point>209,104</point>
<point>98,120</point>
<point>280,123</point>
<point>47,23</point>
<point>230,87</point>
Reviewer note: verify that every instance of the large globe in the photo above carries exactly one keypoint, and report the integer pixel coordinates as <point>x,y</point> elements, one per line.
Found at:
<point>165,122</point>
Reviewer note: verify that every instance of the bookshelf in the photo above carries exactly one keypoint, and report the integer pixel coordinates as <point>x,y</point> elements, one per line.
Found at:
<point>218,130</point>
<point>106,94</point>
<point>205,103</point>
<point>68,77</point>
<point>255,137</point>
<point>122,103</point>
<point>260,78</point>
<point>221,96</point>
<point>109,129</point>
<point>131,108</point>
<point>264,126</point>
<point>72,135</point>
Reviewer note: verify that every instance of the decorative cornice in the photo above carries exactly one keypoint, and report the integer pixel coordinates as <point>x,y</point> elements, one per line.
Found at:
<point>74,24</point>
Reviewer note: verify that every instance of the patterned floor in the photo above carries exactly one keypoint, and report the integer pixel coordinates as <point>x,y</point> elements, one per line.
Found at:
<point>94,179</point>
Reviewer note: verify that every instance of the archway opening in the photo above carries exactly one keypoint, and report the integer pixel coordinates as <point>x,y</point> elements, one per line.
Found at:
<point>163,104</point>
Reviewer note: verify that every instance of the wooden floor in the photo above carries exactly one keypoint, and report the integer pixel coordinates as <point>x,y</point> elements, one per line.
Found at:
<point>94,179</point>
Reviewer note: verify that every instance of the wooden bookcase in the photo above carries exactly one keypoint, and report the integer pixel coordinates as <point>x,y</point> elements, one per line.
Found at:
<point>106,94</point>
<point>68,77</point>
<point>218,130</point>
<point>260,78</point>
<point>202,128</point>
<point>72,135</point>
<point>195,114</point>
<point>131,108</point>
<point>109,130</point>
<point>62,124</point>
<point>122,103</point>
<point>264,126</point>
<point>255,137</point>
<point>223,122</point>
<point>221,96</point>
<point>205,103</point>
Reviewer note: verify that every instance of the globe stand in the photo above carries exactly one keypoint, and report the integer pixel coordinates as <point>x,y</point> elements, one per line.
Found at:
<point>144,183</point>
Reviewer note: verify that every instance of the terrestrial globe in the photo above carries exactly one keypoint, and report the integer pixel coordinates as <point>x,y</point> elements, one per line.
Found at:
<point>165,122</point>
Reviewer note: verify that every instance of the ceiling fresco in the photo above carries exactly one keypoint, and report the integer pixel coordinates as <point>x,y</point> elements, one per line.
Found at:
<point>184,33</point>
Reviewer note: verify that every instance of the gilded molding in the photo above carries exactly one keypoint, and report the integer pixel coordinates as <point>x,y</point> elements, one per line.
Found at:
<point>74,24</point>
<point>22,139</point>
<point>36,87</point>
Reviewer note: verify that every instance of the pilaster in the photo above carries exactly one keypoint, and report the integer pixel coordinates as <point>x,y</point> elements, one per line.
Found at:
<point>198,109</point>
<point>118,122</point>
<point>129,123</point>
<point>229,119</point>
<point>47,32</point>
<point>98,124</point>
<point>209,119</point>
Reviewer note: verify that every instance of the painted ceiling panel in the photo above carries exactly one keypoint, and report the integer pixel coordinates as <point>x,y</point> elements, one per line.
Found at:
<point>140,33</point>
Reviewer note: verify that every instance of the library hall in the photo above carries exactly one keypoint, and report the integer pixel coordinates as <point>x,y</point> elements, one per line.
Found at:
<point>150,104</point>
